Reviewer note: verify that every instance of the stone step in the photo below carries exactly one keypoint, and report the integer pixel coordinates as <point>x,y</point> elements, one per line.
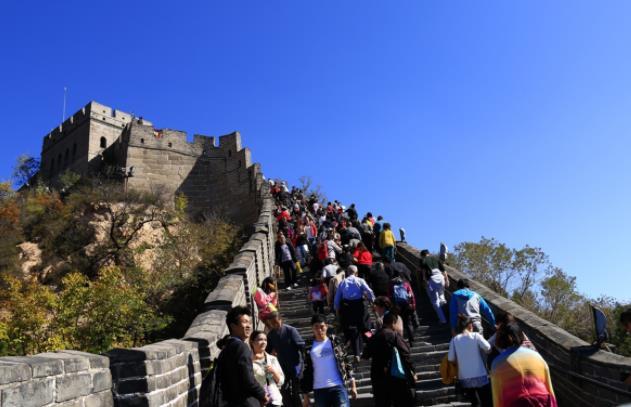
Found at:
<point>431,343</point>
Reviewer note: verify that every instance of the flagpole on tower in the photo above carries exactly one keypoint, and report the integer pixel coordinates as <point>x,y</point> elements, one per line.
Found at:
<point>63,114</point>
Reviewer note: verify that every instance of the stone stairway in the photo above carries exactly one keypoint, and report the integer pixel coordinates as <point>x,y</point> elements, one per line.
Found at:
<point>430,345</point>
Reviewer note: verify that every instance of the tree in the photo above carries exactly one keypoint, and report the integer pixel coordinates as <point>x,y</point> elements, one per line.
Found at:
<point>25,170</point>
<point>528,263</point>
<point>488,262</point>
<point>306,185</point>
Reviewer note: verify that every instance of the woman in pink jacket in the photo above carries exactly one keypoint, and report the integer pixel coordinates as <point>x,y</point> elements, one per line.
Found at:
<point>266,298</point>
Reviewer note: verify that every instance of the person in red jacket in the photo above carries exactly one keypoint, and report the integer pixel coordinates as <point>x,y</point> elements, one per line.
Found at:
<point>363,258</point>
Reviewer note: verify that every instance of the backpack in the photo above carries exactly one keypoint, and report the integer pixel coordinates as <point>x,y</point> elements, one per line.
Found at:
<point>323,250</point>
<point>400,294</point>
<point>212,387</point>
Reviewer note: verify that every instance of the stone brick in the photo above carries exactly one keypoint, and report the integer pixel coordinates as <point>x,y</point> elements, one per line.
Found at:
<point>11,372</point>
<point>33,393</point>
<point>72,363</point>
<point>40,367</point>
<point>71,403</point>
<point>96,361</point>
<point>101,381</point>
<point>102,399</point>
<point>71,386</point>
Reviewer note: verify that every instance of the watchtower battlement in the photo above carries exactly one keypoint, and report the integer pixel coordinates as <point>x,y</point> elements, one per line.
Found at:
<point>212,171</point>
<point>92,111</point>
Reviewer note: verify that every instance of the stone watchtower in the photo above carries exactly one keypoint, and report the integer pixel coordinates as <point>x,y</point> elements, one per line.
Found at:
<point>219,178</point>
<point>79,142</point>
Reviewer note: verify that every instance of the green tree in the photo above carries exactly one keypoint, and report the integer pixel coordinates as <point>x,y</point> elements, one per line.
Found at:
<point>27,308</point>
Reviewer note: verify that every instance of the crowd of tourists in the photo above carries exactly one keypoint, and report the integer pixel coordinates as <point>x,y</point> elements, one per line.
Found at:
<point>364,306</point>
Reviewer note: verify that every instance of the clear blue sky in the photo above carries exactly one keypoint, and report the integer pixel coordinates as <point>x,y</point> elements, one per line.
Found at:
<point>503,119</point>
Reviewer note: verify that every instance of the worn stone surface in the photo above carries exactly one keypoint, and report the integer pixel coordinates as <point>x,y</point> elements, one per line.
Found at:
<point>34,393</point>
<point>11,372</point>
<point>72,386</point>
<point>40,366</point>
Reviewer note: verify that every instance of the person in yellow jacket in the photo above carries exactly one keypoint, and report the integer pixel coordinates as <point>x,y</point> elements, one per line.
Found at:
<point>387,242</point>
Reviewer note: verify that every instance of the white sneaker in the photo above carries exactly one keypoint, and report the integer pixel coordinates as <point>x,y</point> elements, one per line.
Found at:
<point>295,284</point>
<point>288,288</point>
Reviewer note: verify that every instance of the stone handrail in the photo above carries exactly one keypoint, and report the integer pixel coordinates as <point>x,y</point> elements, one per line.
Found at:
<point>169,372</point>
<point>581,375</point>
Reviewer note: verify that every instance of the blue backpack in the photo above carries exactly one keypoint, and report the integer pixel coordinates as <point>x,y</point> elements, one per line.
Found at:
<point>400,294</point>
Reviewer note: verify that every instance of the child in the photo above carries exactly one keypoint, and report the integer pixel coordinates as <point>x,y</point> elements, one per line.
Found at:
<point>317,295</point>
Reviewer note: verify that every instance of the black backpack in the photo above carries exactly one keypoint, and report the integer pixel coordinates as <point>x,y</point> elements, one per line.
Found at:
<point>210,392</point>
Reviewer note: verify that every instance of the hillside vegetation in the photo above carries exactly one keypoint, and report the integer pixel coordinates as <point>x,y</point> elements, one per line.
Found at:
<point>92,267</point>
<point>527,277</point>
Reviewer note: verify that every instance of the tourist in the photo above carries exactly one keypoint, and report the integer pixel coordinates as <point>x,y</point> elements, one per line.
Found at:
<point>387,242</point>
<point>377,227</point>
<point>501,320</point>
<point>388,388</point>
<point>349,306</point>
<point>403,297</point>
<point>436,277</point>
<point>379,280</point>
<point>317,295</point>
<point>471,304</point>
<point>519,376</point>
<point>465,349</point>
<point>326,369</point>
<point>267,370</point>
<point>286,258</point>
<point>234,363</point>
<point>382,306</point>
<point>287,345</point>
<point>266,298</point>
<point>363,258</point>
<point>334,283</point>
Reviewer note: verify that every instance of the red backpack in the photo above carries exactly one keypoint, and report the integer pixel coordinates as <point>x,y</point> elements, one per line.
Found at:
<point>323,250</point>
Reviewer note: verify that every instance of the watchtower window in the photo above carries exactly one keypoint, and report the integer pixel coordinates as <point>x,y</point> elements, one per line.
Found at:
<point>229,153</point>
<point>142,141</point>
<point>103,142</point>
<point>239,163</point>
<point>170,145</point>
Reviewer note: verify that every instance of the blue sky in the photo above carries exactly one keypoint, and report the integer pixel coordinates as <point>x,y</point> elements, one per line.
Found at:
<point>453,119</point>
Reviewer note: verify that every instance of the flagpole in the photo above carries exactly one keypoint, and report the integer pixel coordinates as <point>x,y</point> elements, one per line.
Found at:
<point>63,114</point>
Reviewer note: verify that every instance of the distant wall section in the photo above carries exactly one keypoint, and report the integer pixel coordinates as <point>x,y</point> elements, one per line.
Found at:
<point>215,178</point>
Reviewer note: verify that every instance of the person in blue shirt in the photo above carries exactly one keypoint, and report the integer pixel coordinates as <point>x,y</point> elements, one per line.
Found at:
<point>350,309</point>
<point>470,304</point>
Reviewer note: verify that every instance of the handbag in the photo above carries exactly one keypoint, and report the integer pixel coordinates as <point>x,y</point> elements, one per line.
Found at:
<point>396,366</point>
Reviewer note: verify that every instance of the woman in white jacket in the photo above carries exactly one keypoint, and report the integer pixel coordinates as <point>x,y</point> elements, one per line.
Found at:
<point>466,350</point>
<point>267,370</point>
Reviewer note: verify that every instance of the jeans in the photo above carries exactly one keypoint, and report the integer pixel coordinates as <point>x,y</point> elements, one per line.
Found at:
<point>289,269</point>
<point>436,293</point>
<point>331,397</point>
<point>388,253</point>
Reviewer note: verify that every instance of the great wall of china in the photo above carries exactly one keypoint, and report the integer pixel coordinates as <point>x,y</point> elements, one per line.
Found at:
<point>171,372</point>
